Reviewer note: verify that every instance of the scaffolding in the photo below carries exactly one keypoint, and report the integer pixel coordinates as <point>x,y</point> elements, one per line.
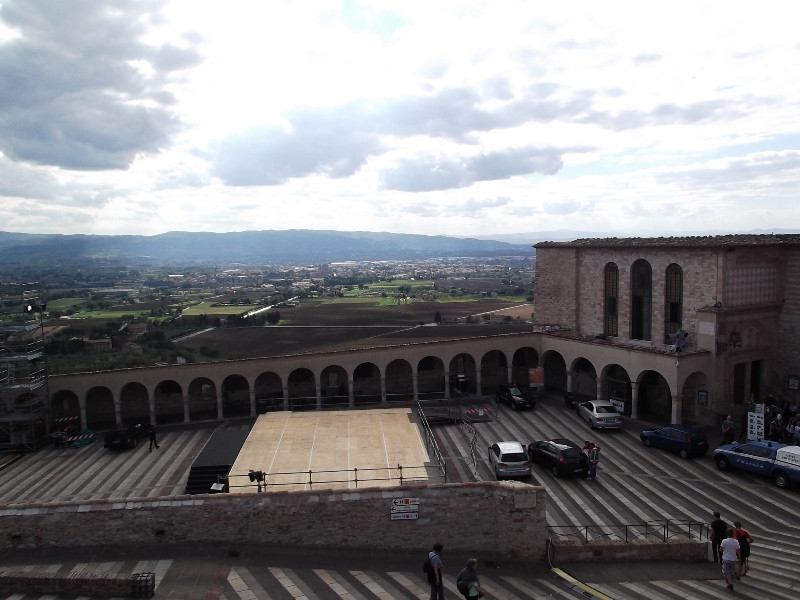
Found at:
<point>23,382</point>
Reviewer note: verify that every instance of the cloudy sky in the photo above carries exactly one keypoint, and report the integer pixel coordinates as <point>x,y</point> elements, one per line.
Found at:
<point>456,118</point>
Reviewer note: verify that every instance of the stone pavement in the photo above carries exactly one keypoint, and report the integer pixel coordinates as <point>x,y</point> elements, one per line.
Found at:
<point>250,572</point>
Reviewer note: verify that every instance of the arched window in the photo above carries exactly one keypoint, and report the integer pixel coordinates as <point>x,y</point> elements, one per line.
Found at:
<point>673,301</point>
<point>641,300</point>
<point>611,297</point>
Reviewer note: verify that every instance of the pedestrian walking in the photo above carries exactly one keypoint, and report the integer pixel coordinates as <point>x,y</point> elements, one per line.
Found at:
<point>718,530</point>
<point>730,558</point>
<point>592,452</point>
<point>153,441</point>
<point>437,567</point>
<point>744,538</point>
<point>467,580</point>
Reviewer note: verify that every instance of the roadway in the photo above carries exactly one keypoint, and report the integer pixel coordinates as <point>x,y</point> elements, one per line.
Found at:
<point>634,484</point>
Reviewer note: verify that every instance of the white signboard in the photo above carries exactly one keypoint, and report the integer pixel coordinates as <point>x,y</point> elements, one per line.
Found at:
<point>755,423</point>
<point>618,404</point>
<point>404,508</point>
<point>405,501</point>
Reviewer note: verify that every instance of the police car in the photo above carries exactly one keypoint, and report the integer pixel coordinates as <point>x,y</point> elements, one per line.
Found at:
<point>779,462</point>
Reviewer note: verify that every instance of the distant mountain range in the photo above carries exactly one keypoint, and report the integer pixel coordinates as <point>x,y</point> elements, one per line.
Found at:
<point>288,247</point>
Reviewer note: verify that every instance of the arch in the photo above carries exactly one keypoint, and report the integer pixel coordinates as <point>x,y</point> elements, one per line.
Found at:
<point>235,397</point>
<point>696,405</point>
<point>641,300</point>
<point>463,374</point>
<point>168,398</point>
<point>555,372</point>
<point>654,397</point>
<point>611,299</point>
<point>673,300</point>
<point>400,380</point>
<point>584,379</point>
<point>334,386</point>
<point>65,403</point>
<point>494,371</point>
<point>367,384</point>
<point>616,385</point>
<point>202,399</point>
<point>302,389</point>
<point>269,392</point>
<point>100,413</point>
<point>524,359</point>
<point>430,378</point>
<point>134,404</point>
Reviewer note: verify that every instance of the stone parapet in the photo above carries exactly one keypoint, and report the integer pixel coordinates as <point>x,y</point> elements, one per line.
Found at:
<point>567,551</point>
<point>504,519</point>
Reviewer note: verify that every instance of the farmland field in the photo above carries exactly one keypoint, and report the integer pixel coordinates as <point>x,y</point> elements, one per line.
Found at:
<point>318,325</point>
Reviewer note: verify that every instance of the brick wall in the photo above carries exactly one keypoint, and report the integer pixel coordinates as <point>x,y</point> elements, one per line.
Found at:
<point>505,519</point>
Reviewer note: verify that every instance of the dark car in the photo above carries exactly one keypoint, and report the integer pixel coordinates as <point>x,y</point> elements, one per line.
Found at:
<point>120,439</point>
<point>515,397</point>
<point>561,456</point>
<point>686,441</point>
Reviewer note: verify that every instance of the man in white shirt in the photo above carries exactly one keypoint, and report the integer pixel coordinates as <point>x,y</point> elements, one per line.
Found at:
<point>730,558</point>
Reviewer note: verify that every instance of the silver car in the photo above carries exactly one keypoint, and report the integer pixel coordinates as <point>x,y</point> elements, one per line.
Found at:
<point>509,459</point>
<point>600,414</point>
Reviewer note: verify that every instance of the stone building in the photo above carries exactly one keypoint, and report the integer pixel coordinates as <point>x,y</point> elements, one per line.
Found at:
<point>680,329</point>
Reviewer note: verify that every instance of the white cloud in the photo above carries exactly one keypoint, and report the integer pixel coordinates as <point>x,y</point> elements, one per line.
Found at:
<point>460,118</point>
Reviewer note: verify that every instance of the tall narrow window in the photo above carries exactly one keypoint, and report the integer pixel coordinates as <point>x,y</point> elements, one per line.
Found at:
<point>641,300</point>
<point>611,295</point>
<point>673,301</point>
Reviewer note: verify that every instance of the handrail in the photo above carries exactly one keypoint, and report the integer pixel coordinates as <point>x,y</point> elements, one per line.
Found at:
<point>665,529</point>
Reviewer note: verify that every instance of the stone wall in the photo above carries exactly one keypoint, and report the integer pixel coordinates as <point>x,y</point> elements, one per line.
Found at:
<point>505,519</point>
<point>576,551</point>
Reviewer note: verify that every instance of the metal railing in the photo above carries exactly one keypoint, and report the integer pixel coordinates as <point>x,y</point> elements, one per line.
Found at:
<point>262,481</point>
<point>664,529</point>
<point>430,444</point>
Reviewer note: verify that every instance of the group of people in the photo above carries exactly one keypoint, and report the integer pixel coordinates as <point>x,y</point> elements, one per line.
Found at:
<point>467,580</point>
<point>781,420</point>
<point>731,547</point>
<point>592,452</point>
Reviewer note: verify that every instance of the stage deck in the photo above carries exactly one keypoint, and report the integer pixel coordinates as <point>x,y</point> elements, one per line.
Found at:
<point>342,450</point>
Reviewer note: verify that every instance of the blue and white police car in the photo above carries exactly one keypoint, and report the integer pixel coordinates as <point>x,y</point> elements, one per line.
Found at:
<point>779,462</point>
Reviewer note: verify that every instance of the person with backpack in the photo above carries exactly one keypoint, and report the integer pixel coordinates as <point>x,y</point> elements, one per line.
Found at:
<point>745,539</point>
<point>434,572</point>
<point>467,580</point>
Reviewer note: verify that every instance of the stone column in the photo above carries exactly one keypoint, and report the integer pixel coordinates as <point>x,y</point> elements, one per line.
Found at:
<point>478,386</point>
<point>415,386</point>
<point>253,402</point>
<point>599,388</point>
<point>285,397</point>
<point>677,408</point>
<point>318,392</point>
<point>383,391</point>
<point>186,408</point>
<point>351,393</point>
<point>447,385</point>
<point>634,400</point>
<point>510,374</point>
<point>219,406</point>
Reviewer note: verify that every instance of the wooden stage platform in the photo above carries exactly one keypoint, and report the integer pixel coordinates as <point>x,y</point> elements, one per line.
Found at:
<point>333,450</point>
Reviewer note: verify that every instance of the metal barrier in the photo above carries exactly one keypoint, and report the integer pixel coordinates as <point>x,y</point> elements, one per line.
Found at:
<point>262,480</point>
<point>430,443</point>
<point>665,529</point>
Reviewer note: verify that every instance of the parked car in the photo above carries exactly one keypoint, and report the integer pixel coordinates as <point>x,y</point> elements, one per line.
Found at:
<point>561,456</point>
<point>515,397</point>
<point>686,441</point>
<point>600,414</point>
<point>779,462</point>
<point>128,437</point>
<point>509,459</point>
